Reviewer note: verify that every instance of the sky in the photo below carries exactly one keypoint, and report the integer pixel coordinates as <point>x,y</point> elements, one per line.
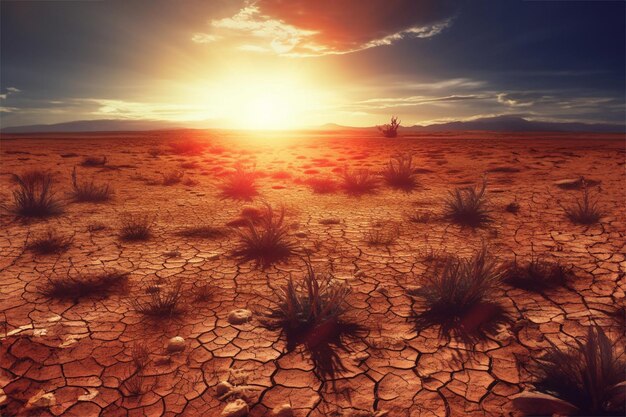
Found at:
<point>265,64</point>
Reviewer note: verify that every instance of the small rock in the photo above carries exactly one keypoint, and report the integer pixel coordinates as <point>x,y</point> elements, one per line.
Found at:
<point>239,316</point>
<point>42,400</point>
<point>223,388</point>
<point>176,344</point>
<point>237,408</point>
<point>282,411</point>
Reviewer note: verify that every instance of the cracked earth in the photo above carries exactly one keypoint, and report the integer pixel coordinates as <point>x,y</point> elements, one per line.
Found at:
<point>74,358</point>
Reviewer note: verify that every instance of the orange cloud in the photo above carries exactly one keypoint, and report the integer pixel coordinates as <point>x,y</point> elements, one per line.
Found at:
<point>323,27</point>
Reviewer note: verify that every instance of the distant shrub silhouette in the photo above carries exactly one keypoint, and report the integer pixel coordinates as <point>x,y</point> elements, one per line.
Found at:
<point>89,191</point>
<point>361,181</point>
<point>240,184</point>
<point>34,196</point>
<point>400,173</point>
<point>468,206</point>
<point>390,130</point>
<point>586,210</point>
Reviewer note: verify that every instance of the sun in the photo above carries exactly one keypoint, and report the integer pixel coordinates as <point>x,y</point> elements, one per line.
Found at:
<point>261,100</point>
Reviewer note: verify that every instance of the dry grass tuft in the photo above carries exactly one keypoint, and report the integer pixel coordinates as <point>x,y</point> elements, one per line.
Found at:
<point>187,147</point>
<point>34,196</point>
<point>240,184</point>
<point>202,232</point>
<point>313,312</point>
<point>586,210</point>
<point>136,227</point>
<point>89,191</point>
<point>173,177</point>
<point>468,206</point>
<point>589,376</point>
<point>51,242</point>
<point>94,161</point>
<point>267,240</point>
<point>160,302</point>
<point>358,182</point>
<point>458,296</point>
<point>74,288</point>
<point>382,234</point>
<point>322,185</point>
<point>537,275</point>
<point>400,173</point>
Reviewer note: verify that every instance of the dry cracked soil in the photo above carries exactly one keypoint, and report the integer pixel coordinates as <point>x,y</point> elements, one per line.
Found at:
<point>99,355</point>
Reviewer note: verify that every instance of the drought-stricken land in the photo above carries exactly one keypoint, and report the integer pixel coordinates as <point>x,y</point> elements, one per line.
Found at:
<point>309,274</point>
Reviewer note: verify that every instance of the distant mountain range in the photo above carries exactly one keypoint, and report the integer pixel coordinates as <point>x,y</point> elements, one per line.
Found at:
<point>108,125</point>
<point>497,123</point>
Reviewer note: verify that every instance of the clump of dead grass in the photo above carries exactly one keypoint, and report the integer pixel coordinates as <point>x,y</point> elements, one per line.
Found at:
<point>34,196</point>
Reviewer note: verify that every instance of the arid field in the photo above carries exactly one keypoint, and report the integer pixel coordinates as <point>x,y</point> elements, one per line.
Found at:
<point>328,273</point>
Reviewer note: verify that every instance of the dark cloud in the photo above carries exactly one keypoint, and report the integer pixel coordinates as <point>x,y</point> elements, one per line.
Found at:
<point>350,24</point>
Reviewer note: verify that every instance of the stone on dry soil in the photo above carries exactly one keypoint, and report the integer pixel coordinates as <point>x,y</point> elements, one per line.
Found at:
<point>237,408</point>
<point>282,411</point>
<point>223,388</point>
<point>176,344</point>
<point>42,400</point>
<point>239,316</point>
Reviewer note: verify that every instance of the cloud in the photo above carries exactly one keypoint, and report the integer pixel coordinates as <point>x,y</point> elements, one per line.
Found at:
<point>9,91</point>
<point>204,38</point>
<point>325,27</point>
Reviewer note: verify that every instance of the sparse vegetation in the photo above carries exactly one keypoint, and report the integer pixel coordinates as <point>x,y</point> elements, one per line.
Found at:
<point>589,376</point>
<point>421,217</point>
<point>400,173</point>
<point>512,207</point>
<point>321,185</point>
<point>361,181</point>
<point>585,211</point>
<point>35,196</point>
<point>468,206</point>
<point>136,227</point>
<point>74,288</point>
<point>187,147</point>
<point>382,234</point>
<point>202,232</point>
<point>457,295</point>
<point>140,355</point>
<point>173,177</point>
<point>50,242</point>
<point>536,275</point>
<point>89,191</point>
<point>160,302</point>
<point>390,130</point>
<point>94,161</point>
<point>240,184</point>
<point>313,311</point>
<point>266,241</point>
<point>302,305</point>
